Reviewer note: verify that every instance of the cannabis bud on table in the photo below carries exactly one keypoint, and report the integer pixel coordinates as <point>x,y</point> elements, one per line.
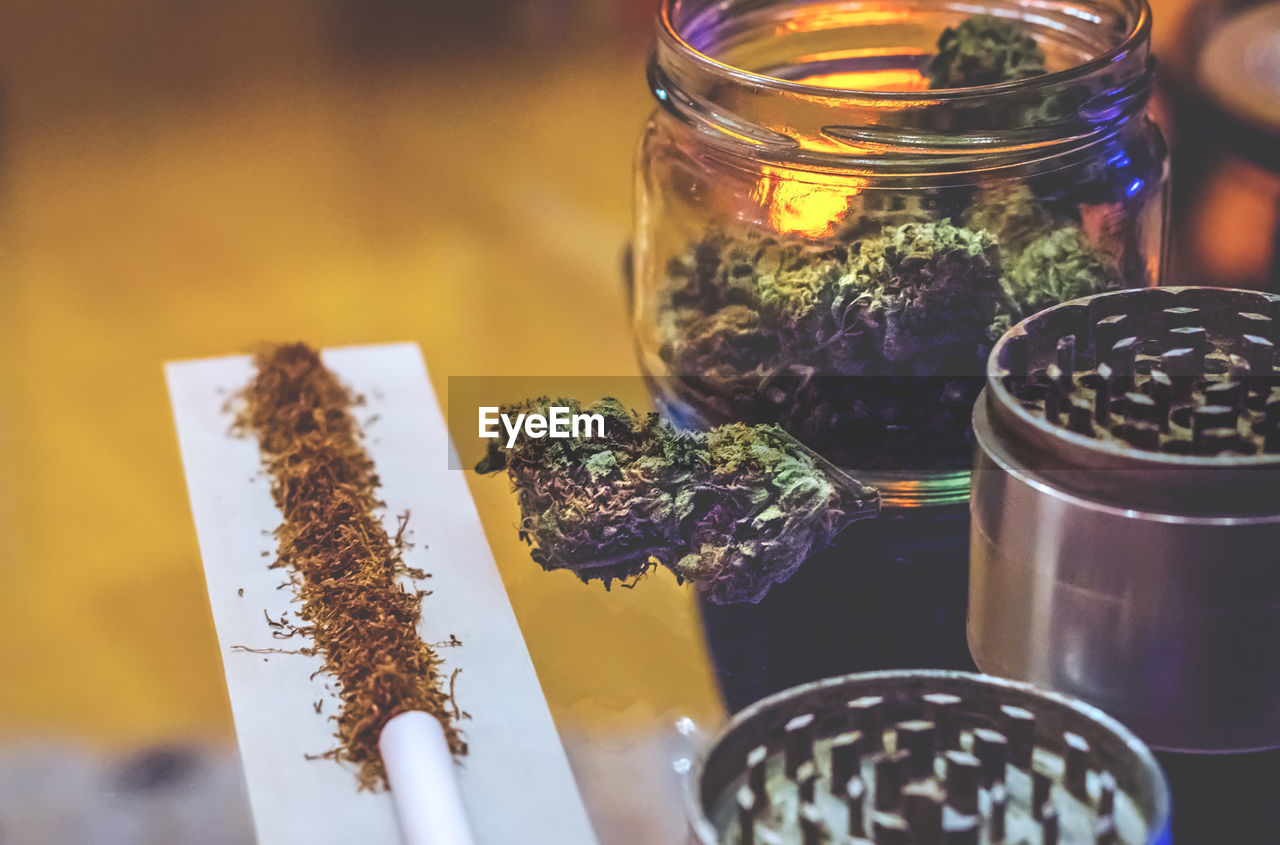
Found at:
<point>734,510</point>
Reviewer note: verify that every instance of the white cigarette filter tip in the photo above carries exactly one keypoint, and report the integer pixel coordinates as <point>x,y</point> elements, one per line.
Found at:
<point>424,785</point>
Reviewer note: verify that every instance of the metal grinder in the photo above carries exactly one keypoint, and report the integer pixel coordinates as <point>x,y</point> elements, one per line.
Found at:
<point>926,757</point>
<point>1125,544</point>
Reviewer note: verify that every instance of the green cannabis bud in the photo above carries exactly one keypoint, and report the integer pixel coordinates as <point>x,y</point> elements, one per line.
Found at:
<point>734,510</point>
<point>915,296</point>
<point>984,50</point>
<point>1059,266</point>
<point>870,211</point>
<point>866,351</point>
<point>869,345</point>
<point>1014,214</point>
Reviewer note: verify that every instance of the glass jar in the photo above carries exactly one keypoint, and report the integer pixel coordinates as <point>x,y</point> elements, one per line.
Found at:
<point>825,243</point>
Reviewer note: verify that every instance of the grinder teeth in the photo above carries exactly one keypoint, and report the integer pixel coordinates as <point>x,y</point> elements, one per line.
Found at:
<point>932,770</point>
<point>1191,382</point>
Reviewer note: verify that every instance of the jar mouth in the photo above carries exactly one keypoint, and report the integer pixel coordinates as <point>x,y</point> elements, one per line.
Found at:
<point>677,36</point>
<point>743,72</point>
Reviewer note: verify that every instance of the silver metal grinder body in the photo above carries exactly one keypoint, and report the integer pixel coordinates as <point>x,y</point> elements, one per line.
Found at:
<point>1145,581</point>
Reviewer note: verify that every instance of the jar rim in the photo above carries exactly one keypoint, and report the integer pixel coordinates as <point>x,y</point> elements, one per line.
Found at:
<point>1138,34</point>
<point>1034,124</point>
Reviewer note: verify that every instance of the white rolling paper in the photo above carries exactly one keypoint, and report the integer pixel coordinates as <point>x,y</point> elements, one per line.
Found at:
<point>516,784</point>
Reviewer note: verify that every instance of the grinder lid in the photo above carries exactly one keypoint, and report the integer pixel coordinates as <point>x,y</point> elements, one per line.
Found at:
<point>1100,393</point>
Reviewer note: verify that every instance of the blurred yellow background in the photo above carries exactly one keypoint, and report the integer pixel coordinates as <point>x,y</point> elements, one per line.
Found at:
<point>185,180</point>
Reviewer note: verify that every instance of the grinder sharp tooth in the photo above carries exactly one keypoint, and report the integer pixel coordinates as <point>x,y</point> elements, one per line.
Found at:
<point>890,829</point>
<point>1227,394</point>
<point>1102,396</point>
<point>1183,367</point>
<point>797,742</point>
<point>1041,791</point>
<point>965,830</point>
<point>846,758</point>
<point>944,709</point>
<point>963,775</point>
<point>1122,357</point>
<point>1213,416</point>
<point>1143,436</point>
<point>757,773</point>
<point>813,827</point>
<point>992,750</point>
<point>1017,355</point>
<point>890,769</point>
<point>746,803</point>
<point>922,807</point>
<point>1160,388</point>
<point>855,796</point>
<point>1194,338</point>
<point>1080,417</point>
<point>996,827</point>
<point>1142,408</point>
<point>1076,759</point>
<point>1106,332</point>
<point>1067,355</point>
<point>1260,325</point>
<point>866,714</point>
<point>1217,441</point>
<point>919,738</point>
<point>1106,794</point>
<point>1049,825</point>
<point>1060,382</point>
<point>1260,353</point>
<point>1178,317</point>
<point>1019,725</point>
<point>807,781</point>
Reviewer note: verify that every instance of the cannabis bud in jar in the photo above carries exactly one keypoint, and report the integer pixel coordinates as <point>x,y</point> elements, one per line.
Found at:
<point>734,510</point>
<point>1047,257</point>
<point>912,299</point>
<point>984,50</point>
<point>850,347</point>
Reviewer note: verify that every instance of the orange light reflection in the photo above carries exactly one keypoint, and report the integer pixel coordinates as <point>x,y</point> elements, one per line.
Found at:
<point>894,79</point>
<point>811,209</point>
<point>828,19</point>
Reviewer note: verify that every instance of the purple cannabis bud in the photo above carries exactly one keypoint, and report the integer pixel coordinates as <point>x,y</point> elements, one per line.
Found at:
<point>734,510</point>
<point>984,50</point>
<point>918,295</point>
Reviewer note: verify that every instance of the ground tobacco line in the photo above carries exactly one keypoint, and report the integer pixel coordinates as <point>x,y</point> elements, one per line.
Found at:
<point>359,617</point>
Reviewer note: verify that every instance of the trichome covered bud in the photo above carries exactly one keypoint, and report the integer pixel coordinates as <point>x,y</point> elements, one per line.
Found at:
<point>735,509</point>
<point>854,348</point>
<point>1059,266</point>
<point>984,50</point>
<point>918,294</point>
